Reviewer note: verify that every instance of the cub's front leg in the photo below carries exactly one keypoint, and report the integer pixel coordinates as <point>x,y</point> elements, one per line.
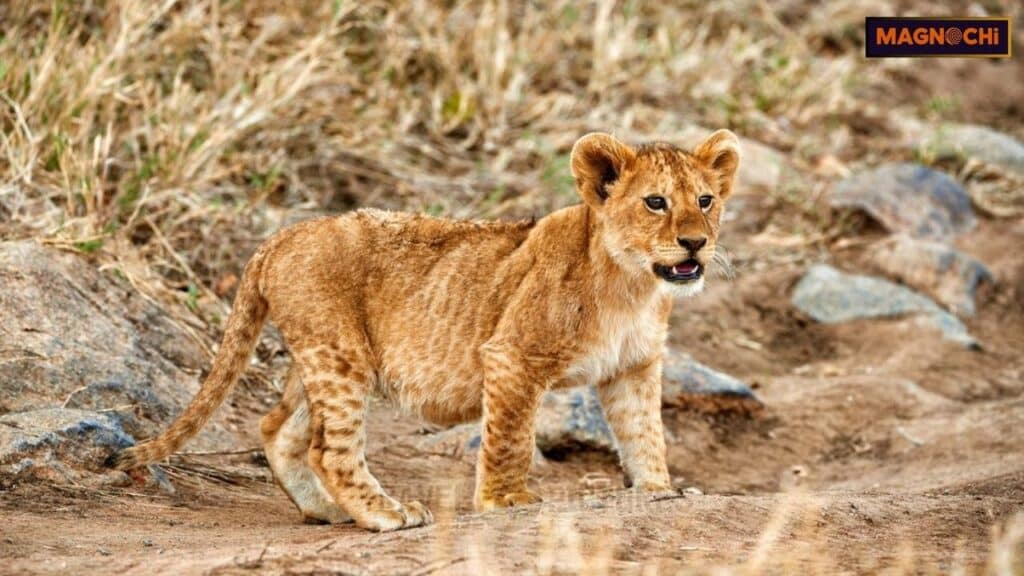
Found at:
<point>512,393</point>
<point>632,407</point>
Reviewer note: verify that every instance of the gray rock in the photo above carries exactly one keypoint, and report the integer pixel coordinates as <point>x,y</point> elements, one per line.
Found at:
<point>75,338</point>
<point>831,296</point>
<point>572,419</point>
<point>57,444</point>
<point>908,198</point>
<point>944,273</point>
<point>692,385</point>
<point>975,142</point>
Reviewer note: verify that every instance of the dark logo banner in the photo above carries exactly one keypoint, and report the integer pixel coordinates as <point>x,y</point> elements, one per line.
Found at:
<point>951,37</point>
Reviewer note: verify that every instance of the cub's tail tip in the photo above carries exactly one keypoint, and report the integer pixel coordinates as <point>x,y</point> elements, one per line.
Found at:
<point>125,459</point>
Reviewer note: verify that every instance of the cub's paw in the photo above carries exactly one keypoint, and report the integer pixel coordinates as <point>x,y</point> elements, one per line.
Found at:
<point>653,487</point>
<point>416,514</point>
<point>510,500</point>
<point>410,515</point>
<point>655,491</point>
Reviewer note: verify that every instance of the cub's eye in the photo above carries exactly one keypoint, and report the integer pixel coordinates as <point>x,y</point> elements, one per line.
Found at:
<point>656,203</point>
<point>705,201</point>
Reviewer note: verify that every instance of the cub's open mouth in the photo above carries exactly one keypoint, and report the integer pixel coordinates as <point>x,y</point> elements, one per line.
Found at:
<point>685,271</point>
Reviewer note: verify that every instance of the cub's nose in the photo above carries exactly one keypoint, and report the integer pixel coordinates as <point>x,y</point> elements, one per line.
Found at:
<point>692,244</point>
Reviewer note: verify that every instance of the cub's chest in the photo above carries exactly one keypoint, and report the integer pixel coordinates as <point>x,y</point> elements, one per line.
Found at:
<point>619,341</point>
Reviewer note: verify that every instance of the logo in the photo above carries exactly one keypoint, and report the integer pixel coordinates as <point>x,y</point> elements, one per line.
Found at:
<point>950,37</point>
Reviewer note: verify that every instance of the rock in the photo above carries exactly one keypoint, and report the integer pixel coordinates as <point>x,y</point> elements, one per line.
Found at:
<point>991,163</point>
<point>54,444</point>
<point>831,296</point>
<point>908,198</point>
<point>944,273</point>
<point>974,142</point>
<point>572,419</point>
<point>692,385</point>
<point>78,340</point>
<point>762,168</point>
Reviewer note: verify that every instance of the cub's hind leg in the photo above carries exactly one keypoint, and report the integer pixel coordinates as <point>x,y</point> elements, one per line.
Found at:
<point>286,440</point>
<point>337,379</point>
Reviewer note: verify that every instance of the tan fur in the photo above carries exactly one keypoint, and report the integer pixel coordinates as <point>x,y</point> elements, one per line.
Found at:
<point>457,320</point>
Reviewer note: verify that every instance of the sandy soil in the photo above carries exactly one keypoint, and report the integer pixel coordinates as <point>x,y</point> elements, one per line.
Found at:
<point>881,446</point>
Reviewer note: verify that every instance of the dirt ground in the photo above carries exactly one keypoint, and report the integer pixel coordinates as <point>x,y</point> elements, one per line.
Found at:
<point>881,447</point>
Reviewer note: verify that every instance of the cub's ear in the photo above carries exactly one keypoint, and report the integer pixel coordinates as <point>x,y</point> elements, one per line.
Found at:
<point>598,160</point>
<point>721,152</point>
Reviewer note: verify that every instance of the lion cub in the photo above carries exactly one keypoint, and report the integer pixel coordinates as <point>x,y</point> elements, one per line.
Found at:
<point>459,320</point>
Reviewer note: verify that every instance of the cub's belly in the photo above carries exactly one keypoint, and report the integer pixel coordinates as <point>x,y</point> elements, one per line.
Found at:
<point>443,392</point>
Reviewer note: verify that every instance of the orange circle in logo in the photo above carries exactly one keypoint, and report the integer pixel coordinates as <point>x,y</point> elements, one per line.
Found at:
<point>953,36</point>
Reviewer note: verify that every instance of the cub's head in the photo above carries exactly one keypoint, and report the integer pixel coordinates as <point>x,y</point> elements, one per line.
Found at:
<point>659,206</point>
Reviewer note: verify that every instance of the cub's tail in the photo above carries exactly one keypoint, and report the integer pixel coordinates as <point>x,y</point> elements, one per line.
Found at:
<point>247,316</point>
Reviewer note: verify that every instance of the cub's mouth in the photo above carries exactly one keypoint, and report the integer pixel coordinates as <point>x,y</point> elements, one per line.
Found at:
<point>685,271</point>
